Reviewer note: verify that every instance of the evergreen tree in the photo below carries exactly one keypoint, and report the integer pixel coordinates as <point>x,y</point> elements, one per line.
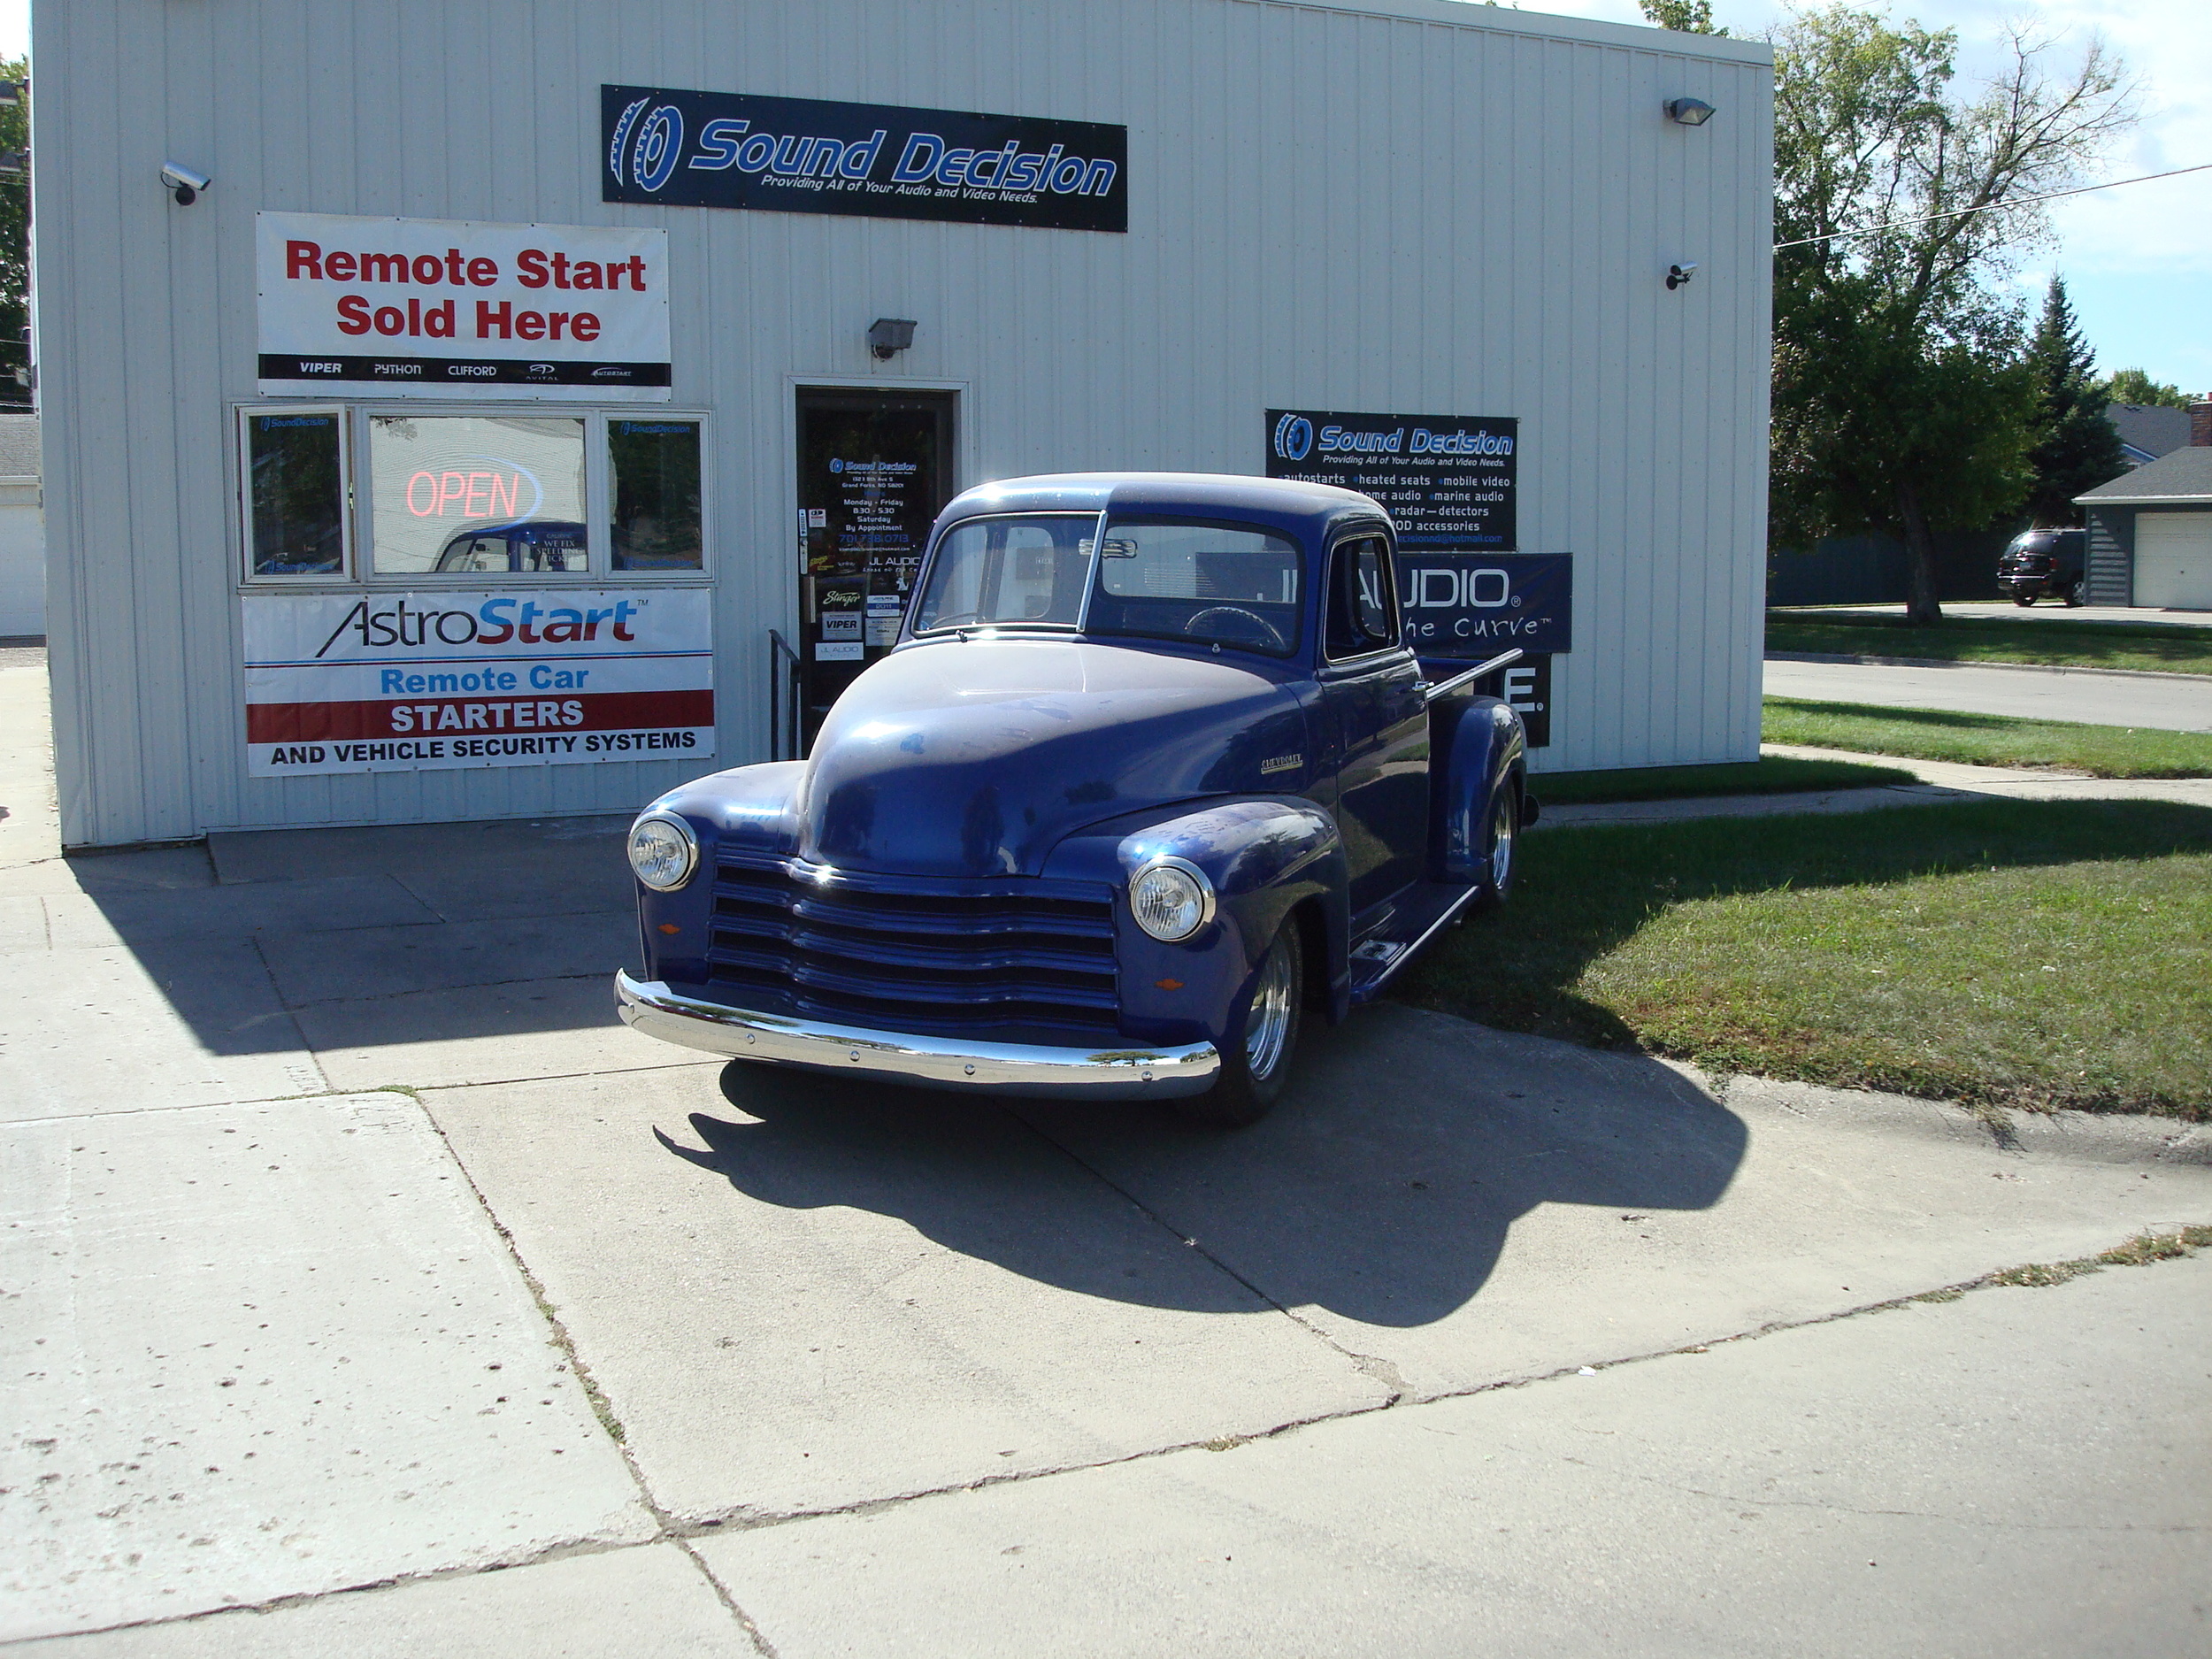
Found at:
<point>2076,446</point>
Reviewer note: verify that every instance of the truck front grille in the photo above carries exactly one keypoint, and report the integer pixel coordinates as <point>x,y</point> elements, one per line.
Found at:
<point>1012,961</point>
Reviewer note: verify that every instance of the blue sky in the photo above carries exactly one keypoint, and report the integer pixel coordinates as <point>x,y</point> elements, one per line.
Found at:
<point>2137,260</point>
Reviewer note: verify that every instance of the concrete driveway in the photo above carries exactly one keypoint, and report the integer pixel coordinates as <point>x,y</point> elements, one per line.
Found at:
<point>354,1250</point>
<point>2172,703</point>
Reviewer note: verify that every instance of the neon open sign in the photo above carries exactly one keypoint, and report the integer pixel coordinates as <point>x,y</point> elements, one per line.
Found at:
<point>432,495</point>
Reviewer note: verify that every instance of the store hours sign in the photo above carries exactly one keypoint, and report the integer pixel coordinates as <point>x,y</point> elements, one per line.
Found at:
<point>1447,480</point>
<point>662,145</point>
<point>453,309</point>
<point>511,676</point>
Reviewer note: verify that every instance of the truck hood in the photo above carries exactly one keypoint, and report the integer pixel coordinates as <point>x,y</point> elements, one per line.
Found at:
<point>976,758</point>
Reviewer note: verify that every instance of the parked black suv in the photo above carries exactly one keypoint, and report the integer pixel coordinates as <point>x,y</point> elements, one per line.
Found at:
<point>2037,563</point>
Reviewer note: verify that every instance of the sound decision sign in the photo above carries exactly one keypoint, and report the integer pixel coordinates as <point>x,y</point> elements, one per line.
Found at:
<point>453,309</point>
<point>518,677</point>
<point>807,156</point>
<point>1447,480</point>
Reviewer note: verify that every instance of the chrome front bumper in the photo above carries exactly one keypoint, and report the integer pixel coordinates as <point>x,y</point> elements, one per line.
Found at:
<point>987,1068</point>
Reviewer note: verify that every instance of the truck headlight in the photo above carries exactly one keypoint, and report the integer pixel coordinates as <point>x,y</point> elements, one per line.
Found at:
<point>1171,899</point>
<point>662,850</point>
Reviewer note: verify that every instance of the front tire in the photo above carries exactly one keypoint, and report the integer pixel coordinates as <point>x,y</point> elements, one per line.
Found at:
<point>1261,1040</point>
<point>2077,595</point>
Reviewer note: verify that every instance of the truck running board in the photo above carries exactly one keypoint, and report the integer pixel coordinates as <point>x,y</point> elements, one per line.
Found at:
<point>1415,916</point>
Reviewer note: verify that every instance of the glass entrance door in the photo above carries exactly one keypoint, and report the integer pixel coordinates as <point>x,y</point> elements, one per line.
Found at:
<point>875,468</point>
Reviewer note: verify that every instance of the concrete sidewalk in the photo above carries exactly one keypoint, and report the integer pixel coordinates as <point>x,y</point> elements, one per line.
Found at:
<point>355,1249</point>
<point>1941,782</point>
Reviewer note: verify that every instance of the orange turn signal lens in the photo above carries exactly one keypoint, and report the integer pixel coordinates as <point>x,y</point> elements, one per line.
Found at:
<point>671,927</point>
<point>1169,985</point>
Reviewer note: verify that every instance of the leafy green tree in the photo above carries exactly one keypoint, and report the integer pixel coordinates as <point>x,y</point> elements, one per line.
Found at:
<point>1684,17</point>
<point>15,235</point>
<point>2076,448</point>
<point>2135,386</point>
<point>1901,402</point>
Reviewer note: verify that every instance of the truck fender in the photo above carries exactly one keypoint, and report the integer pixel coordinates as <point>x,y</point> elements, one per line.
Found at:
<point>746,807</point>
<point>1264,858</point>
<point>1481,750</point>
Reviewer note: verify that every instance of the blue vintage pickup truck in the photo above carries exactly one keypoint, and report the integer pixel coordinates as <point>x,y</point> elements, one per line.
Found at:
<point>1150,777</point>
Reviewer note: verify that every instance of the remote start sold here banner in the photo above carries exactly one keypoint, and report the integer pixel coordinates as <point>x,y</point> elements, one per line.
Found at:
<point>518,677</point>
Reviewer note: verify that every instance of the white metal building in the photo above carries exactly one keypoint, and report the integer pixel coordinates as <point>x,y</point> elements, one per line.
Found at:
<point>1398,204</point>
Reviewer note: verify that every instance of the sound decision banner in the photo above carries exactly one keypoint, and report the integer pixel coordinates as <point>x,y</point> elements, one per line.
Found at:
<point>1447,480</point>
<point>453,309</point>
<point>807,156</point>
<point>518,677</point>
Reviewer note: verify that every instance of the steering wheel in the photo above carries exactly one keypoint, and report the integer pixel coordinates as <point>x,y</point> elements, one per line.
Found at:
<point>1266,630</point>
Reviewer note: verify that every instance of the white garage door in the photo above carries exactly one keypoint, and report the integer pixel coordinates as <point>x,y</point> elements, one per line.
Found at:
<point>2173,560</point>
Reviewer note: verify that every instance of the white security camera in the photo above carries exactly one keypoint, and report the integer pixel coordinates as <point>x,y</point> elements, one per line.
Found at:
<point>186,183</point>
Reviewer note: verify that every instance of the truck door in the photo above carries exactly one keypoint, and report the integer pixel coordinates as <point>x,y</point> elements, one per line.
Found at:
<point>1372,707</point>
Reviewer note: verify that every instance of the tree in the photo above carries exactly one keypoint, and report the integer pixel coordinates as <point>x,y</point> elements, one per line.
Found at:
<point>2076,448</point>
<point>15,236</point>
<point>1901,402</point>
<point>2135,386</point>
<point>1684,17</point>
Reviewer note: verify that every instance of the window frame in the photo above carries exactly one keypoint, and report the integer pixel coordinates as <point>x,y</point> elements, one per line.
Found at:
<point>349,538</point>
<point>359,528</point>
<point>1337,547</point>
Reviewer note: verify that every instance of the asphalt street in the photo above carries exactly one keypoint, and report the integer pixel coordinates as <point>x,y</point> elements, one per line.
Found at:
<point>2170,703</point>
<point>355,1250</point>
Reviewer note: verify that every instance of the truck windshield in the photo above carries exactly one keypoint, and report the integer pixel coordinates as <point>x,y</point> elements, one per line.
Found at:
<point>1218,583</point>
<point>1026,568</point>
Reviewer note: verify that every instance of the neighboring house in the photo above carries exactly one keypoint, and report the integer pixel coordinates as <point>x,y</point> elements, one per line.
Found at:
<point>2150,530</point>
<point>2148,430</point>
<point>22,531</point>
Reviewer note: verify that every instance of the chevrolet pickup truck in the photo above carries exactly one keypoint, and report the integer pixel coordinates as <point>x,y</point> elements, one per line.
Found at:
<point>1149,779</point>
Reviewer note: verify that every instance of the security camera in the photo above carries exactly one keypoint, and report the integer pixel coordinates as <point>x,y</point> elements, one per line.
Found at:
<point>1679,275</point>
<point>186,183</point>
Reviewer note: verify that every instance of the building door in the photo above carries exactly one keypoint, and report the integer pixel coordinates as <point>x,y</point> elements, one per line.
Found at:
<point>875,469</point>
<point>2173,560</point>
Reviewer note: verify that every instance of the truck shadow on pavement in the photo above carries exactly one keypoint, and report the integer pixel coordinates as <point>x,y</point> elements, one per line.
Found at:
<point>1381,1189</point>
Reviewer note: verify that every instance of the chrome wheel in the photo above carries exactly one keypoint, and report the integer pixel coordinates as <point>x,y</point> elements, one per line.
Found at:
<point>1504,825</point>
<point>1274,1005</point>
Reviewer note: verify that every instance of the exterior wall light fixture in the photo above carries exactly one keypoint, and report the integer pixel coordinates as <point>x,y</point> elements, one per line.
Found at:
<point>1679,275</point>
<point>1689,112</point>
<point>887,336</point>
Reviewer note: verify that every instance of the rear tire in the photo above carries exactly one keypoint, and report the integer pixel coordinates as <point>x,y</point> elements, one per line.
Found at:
<point>2077,595</point>
<point>1501,846</point>
<point>1261,1042</point>
<point>2024,600</point>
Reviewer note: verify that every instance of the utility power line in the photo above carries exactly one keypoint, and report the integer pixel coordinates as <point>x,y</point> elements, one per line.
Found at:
<point>2048,195</point>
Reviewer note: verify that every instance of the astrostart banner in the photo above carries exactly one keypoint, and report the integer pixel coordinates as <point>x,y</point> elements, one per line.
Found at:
<point>515,677</point>
<point>1445,480</point>
<point>452,309</point>
<point>809,156</point>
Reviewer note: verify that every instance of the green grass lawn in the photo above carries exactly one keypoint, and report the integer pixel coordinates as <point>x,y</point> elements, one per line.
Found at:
<point>1774,775</point>
<point>2037,954</point>
<point>1986,739</point>
<point>2166,648</point>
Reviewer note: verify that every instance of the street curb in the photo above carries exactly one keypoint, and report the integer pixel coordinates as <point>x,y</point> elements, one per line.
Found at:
<point>1945,662</point>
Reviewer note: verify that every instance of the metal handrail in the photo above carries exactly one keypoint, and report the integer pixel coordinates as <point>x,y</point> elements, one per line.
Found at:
<point>1445,687</point>
<point>784,676</point>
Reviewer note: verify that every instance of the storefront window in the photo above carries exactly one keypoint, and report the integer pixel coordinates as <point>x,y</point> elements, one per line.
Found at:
<point>654,473</point>
<point>296,493</point>
<point>476,494</point>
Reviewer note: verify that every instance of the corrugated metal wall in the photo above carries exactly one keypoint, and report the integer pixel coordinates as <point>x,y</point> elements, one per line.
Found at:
<point>2111,556</point>
<point>1425,207</point>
